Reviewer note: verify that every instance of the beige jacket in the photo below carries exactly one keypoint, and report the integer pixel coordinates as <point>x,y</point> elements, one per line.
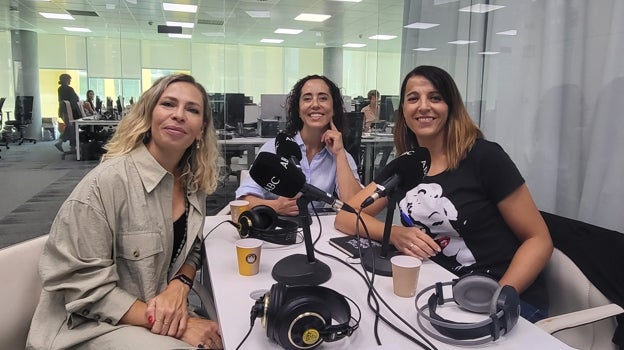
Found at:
<point>110,244</point>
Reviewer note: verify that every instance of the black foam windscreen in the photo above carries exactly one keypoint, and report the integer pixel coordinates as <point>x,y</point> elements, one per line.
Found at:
<point>287,147</point>
<point>277,175</point>
<point>411,167</point>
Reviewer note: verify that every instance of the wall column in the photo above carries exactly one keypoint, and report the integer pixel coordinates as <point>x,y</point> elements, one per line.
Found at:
<point>26,74</point>
<point>332,64</point>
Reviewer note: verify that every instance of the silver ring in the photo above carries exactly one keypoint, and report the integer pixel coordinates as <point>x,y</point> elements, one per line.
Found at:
<point>410,246</point>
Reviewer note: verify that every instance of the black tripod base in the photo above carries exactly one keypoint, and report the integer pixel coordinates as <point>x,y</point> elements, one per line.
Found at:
<point>296,270</point>
<point>377,264</point>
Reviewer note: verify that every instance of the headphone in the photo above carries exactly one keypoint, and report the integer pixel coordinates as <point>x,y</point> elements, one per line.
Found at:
<point>474,292</point>
<point>300,317</point>
<point>262,222</point>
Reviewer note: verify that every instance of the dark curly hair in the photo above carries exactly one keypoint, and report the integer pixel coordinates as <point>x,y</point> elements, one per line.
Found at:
<point>294,122</point>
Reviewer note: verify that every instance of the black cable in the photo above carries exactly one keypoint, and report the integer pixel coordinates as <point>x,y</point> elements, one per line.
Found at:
<point>245,338</point>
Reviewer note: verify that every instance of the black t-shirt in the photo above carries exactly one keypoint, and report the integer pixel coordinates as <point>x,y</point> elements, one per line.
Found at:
<point>458,209</point>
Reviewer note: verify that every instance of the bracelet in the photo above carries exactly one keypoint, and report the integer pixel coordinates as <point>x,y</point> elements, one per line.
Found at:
<point>184,279</point>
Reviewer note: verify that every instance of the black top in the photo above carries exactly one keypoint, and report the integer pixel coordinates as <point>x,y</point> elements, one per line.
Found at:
<point>179,235</point>
<point>458,208</point>
<point>66,92</point>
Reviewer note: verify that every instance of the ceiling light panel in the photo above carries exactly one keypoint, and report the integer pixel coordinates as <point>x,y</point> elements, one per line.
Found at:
<point>259,14</point>
<point>181,24</point>
<point>77,29</point>
<point>462,42</point>
<point>179,8</point>
<point>382,37</point>
<point>510,32</point>
<point>56,15</point>
<point>312,17</point>
<point>287,31</point>
<point>425,49</point>
<point>272,41</point>
<point>179,36</point>
<point>353,45</point>
<point>421,25</point>
<point>481,8</point>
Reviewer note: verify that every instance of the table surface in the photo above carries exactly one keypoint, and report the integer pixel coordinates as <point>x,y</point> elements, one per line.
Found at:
<point>89,121</point>
<point>233,301</point>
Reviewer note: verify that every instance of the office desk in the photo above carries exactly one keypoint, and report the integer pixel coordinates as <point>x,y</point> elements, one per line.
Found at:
<point>89,122</point>
<point>233,301</point>
<point>372,145</point>
<point>248,144</point>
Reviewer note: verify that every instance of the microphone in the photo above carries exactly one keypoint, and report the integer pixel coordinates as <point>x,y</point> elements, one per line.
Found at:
<point>287,147</point>
<point>404,172</point>
<point>278,175</point>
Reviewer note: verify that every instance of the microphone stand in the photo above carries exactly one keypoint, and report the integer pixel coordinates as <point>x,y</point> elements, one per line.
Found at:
<point>377,260</point>
<point>300,269</point>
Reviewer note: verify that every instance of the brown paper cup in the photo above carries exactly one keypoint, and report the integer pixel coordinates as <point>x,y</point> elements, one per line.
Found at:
<point>405,270</point>
<point>248,255</point>
<point>237,207</point>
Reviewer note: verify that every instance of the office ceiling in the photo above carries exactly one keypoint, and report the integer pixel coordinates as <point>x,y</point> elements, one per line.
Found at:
<point>217,21</point>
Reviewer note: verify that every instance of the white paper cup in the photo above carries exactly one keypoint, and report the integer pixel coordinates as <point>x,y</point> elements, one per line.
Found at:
<point>237,207</point>
<point>405,271</point>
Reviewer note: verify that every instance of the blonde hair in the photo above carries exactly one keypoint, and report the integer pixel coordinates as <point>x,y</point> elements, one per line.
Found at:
<point>461,130</point>
<point>198,166</point>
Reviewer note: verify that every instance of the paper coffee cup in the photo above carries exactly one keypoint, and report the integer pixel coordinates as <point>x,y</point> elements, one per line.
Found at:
<point>237,207</point>
<point>248,255</point>
<point>405,271</point>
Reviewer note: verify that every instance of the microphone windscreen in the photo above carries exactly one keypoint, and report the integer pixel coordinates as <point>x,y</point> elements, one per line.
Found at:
<point>277,175</point>
<point>411,166</point>
<point>286,146</point>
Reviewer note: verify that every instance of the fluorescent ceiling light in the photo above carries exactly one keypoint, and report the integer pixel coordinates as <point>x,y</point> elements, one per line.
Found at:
<point>311,17</point>
<point>259,14</point>
<point>489,53</point>
<point>272,41</point>
<point>77,29</point>
<point>511,32</point>
<point>425,49</point>
<point>354,45</point>
<point>421,25</point>
<point>179,8</point>
<point>181,24</point>
<point>110,6</point>
<point>321,44</point>
<point>347,0</point>
<point>480,8</point>
<point>462,42</point>
<point>179,36</point>
<point>56,15</point>
<point>287,31</point>
<point>382,37</point>
<point>212,34</point>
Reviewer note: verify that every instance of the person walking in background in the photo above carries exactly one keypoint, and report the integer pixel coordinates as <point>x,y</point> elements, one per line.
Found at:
<point>371,111</point>
<point>67,93</point>
<point>124,248</point>
<point>315,118</point>
<point>472,212</point>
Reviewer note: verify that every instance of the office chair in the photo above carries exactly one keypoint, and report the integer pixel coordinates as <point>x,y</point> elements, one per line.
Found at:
<point>3,141</point>
<point>67,115</point>
<point>23,117</point>
<point>352,139</point>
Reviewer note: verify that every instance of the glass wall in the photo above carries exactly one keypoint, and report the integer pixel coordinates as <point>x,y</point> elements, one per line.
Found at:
<point>542,78</point>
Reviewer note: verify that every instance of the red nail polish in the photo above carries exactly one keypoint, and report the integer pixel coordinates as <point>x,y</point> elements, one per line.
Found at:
<point>150,319</point>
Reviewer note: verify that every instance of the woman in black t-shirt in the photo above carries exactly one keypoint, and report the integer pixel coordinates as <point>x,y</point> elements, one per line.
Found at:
<point>67,93</point>
<point>472,212</point>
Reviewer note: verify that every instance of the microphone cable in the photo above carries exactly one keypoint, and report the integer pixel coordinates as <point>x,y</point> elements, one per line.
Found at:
<point>374,294</point>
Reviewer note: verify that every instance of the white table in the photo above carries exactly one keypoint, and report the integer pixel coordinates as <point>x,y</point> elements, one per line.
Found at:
<point>371,147</point>
<point>248,144</point>
<point>233,301</point>
<point>89,122</point>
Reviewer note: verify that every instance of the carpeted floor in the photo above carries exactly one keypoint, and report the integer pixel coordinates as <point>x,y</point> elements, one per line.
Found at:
<point>34,182</point>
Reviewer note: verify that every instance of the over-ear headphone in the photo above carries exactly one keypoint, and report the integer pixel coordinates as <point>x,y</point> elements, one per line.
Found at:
<point>477,293</point>
<point>300,317</point>
<point>263,223</point>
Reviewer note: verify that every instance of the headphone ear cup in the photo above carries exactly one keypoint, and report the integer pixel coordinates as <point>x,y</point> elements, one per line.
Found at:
<point>507,300</point>
<point>276,298</point>
<point>475,292</point>
<point>264,217</point>
<point>301,320</point>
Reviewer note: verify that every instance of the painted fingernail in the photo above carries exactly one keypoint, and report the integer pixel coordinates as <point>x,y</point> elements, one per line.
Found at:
<point>150,319</point>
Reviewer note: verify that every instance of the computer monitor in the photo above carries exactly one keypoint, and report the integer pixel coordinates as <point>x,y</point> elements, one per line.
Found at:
<point>227,109</point>
<point>273,106</point>
<point>388,105</point>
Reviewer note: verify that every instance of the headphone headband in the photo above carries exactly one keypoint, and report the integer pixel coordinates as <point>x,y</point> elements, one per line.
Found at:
<point>468,293</point>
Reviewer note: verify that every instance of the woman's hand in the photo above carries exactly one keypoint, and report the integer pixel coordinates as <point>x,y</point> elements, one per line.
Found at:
<point>168,311</point>
<point>286,206</point>
<point>203,333</point>
<point>332,138</point>
<point>413,241</point>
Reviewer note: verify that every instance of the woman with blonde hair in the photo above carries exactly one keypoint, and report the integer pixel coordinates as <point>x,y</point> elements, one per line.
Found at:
<point>126,244</point>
